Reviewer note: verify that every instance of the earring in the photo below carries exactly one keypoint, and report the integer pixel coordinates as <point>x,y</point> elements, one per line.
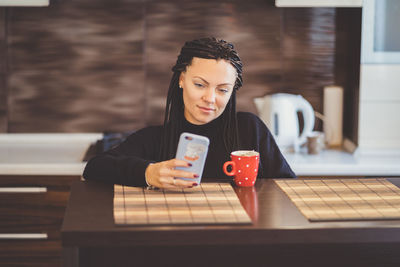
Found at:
<point>180,86</point>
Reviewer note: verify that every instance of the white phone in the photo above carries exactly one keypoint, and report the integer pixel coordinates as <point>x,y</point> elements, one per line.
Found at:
<point>192,148</point>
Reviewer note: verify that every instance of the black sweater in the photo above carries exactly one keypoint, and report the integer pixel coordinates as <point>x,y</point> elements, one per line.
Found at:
<point>126,164</point>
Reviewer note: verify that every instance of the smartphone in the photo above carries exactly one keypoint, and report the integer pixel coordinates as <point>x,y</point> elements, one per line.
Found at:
<point>192,148</point>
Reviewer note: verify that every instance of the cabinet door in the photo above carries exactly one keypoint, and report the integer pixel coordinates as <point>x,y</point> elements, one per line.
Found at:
<point>380,38</point>
<point>22,211</point>
<point>31,214</point>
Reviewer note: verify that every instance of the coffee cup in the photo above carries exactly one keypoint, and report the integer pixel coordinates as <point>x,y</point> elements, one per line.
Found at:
<point>315,142</point>
<point>244,164</point>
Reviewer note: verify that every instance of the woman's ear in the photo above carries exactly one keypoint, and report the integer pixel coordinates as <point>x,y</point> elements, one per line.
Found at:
<point>181,79</point>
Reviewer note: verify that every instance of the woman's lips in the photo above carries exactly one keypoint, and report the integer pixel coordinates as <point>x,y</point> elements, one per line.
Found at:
<point>206,110</point>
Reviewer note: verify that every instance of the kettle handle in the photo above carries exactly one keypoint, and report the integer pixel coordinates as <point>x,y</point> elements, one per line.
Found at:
<point>308,114</point>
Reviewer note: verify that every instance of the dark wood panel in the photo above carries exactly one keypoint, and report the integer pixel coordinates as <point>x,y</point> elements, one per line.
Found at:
<point>84,66</point>
<point>37,253</point>
<point>308,49</point>
<point>347,67</point>
<point>33,213</point>
<point>75,102</point>
<point>331,255</point>
<point>259,47</point>
<point>3,40</point>
<point>54,182</point>
<point>76,66</point>
<point>3,103</point>
<point>3,72</point>
<point>77,36</point>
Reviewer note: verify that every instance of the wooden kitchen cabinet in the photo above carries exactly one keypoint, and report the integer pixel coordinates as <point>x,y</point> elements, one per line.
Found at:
<point>31,214</point>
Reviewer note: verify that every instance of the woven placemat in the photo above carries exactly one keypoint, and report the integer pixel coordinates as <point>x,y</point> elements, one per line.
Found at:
<point>343,199</point>
<point>208,203</point>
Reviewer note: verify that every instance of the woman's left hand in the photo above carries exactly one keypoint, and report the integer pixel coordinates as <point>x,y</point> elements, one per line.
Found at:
<point>162,174</point>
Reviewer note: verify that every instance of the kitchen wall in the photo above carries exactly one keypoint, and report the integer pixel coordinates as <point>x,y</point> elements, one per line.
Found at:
<point>90,66</point>
<point>3,73</point>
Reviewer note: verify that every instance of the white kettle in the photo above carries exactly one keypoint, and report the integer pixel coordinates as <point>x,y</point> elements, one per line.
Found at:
<point>279,113</point>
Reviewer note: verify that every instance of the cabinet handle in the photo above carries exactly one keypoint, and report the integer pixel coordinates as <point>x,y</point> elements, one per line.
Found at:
<point>23,189</point>
<point>23,236</point>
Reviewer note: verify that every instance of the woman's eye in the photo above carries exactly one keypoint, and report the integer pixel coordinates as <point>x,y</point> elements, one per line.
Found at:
<point>222,90</point>
<point>198,84</point>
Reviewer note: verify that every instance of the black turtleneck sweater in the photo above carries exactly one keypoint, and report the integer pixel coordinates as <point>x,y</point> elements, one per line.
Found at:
<point>126,164</point>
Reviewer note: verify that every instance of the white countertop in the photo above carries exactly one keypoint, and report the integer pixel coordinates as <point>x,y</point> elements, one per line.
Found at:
<point>44,154</point>
<point>342,163</point>
<point>61,154</point>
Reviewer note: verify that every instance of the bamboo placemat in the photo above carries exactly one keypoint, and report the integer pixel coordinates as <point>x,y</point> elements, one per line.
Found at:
<point>208,203</point>
<point>343,199</point>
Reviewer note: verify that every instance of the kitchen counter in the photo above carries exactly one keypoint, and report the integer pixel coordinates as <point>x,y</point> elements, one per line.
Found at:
<point>61,154</point>
<point>335,162</point>
<point>44,154</point>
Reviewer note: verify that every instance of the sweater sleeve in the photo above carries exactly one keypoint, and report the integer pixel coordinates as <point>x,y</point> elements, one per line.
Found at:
<point>274,165</point>
<point>272,162</point>
<point>126,164</point>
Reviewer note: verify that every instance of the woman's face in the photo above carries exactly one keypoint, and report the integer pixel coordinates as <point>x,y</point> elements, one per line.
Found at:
<point>207,87</point>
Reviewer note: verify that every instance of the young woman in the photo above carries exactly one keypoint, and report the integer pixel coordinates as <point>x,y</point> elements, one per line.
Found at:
<point>201,100</point>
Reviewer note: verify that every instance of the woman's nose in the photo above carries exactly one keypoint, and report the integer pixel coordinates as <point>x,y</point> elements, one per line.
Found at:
<point>209,95</point>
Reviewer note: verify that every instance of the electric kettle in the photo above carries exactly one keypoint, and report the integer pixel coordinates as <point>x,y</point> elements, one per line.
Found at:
<point>279,113</point>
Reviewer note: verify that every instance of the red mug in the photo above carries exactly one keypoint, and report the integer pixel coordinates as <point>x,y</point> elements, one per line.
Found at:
<point>244,167</point>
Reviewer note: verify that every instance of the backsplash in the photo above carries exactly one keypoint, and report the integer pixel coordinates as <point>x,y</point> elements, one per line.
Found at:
<point>91,66</point>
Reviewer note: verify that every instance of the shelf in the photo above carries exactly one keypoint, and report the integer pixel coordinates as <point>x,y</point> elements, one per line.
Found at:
<point>24,2</point>
<point>318,3</point>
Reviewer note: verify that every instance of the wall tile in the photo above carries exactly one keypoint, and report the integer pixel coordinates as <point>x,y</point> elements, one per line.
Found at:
<point>73,62</point>
<point>76,102</point>
<point>87,36</point>
<point>347,65</point>
<point>3,104</point>
<point>259,48</point>
<point>308,49</point>
<point>3,74</point>
<point>3,37</point>
<point>77,66</point>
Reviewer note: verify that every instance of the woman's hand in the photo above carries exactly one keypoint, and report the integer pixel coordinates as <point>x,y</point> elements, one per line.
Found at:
<point>162,174</point>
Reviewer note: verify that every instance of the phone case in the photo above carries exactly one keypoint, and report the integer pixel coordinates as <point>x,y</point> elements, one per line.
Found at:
<point>193,148</point>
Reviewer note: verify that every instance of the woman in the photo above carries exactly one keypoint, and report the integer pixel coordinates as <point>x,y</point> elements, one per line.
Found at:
<point>201,100</point>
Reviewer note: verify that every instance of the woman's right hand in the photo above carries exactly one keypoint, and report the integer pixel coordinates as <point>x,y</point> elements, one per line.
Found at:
<point>162,174</point>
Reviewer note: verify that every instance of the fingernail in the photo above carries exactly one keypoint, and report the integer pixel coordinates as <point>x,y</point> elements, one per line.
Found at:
<point>195,176</point>
<point>190,164</point>
<point>194,184</point>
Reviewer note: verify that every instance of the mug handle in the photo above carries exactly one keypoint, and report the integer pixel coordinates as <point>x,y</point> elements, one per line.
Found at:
<point>226,164</point>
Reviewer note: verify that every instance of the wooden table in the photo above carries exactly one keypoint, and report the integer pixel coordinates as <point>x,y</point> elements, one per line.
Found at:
<point>280,236</point>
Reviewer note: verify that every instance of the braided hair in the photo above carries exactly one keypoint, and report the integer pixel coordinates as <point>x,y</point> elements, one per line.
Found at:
<point>208,48</point>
